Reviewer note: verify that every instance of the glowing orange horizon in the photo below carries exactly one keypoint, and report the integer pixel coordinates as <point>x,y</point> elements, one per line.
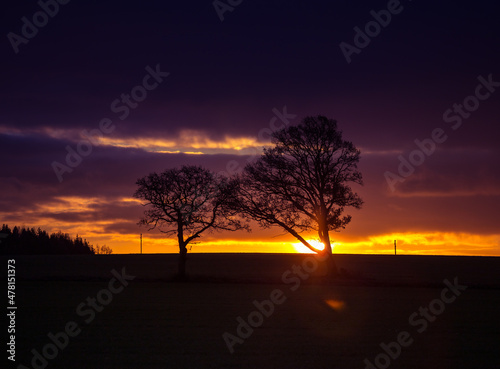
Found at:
<point>409,243</point>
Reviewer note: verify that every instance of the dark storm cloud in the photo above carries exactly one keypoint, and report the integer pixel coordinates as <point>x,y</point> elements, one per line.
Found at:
<point>228,76</point>
<point>107,209</point>
<point>445,175</point>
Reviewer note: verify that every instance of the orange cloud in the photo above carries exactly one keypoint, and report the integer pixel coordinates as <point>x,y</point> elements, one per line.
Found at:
<point>188,141</point>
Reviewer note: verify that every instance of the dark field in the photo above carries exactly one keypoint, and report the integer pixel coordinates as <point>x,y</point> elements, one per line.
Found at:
<point>156,323</point>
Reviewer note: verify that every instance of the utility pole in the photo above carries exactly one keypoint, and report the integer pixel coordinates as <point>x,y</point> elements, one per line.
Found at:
<point>141,243</point>
<point>394,247</point>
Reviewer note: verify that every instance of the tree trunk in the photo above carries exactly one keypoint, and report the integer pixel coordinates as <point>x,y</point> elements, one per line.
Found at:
<point>181,273</point>
<point>331,266</point>
<point>182,262</point>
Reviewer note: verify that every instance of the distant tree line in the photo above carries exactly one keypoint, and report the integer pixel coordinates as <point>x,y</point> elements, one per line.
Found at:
<point>23,241</point>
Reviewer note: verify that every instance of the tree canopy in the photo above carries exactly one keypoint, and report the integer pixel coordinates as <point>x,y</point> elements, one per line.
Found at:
<point>302,183</point>
<point>187,202</point>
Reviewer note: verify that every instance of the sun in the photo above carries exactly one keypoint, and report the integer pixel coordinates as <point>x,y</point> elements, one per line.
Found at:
<point>302,249</point>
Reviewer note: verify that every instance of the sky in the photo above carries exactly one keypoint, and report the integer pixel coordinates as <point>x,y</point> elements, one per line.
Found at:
<point>95,95</point>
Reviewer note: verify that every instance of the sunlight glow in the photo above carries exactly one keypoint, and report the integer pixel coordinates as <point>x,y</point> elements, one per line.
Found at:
<point>408,244</point>
<point>302,249</point>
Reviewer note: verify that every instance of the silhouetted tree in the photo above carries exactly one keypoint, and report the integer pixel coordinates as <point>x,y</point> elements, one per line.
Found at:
<point>187,202</point>
<point>302,183</point>
<point>102,250</point>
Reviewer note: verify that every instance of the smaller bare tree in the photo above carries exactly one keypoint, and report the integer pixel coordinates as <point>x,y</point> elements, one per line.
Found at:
<point>102,250</point>
<point>187,202</point>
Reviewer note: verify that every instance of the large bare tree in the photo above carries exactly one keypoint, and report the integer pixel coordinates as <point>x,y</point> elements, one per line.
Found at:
<point>302,183</point>
<point>187,202</point>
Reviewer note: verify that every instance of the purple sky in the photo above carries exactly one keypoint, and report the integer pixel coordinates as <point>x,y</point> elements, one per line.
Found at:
<point>226,77</point>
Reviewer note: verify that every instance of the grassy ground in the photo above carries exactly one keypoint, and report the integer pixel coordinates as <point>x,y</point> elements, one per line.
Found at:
<point>158,324</point>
